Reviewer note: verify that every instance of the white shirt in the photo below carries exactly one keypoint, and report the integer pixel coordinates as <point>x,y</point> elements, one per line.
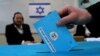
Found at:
<point>20,30</point>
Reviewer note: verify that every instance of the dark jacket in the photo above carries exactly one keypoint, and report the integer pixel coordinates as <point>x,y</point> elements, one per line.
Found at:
<point>14,37</point>
<point>94,24</point>
<point>80,31</point>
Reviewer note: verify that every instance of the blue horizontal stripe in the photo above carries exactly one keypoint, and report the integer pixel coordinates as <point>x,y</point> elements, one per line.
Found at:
<point>36,16</point>
<point>39,3</point>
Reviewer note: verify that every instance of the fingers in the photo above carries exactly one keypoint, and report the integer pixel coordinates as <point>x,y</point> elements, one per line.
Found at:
<point>67,19</point>
<point>63,10</point>
<point>70,14</point>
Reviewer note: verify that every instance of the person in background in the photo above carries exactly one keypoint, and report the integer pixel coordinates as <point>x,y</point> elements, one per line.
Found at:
<point>79,16</point>
<point>17,32</point>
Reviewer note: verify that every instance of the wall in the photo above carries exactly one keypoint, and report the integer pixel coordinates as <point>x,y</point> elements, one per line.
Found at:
<point>8,7</point>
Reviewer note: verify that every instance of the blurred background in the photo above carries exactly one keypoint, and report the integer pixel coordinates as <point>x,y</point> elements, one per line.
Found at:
<point>9,7</point>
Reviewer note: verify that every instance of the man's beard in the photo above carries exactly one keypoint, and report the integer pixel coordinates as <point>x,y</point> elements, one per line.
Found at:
<point>18,25</point>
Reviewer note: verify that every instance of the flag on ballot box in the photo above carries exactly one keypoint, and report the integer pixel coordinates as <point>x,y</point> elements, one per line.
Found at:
<point>38,10</point>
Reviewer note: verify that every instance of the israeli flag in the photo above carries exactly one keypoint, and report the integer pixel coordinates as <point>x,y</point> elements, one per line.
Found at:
<point>38,10</point>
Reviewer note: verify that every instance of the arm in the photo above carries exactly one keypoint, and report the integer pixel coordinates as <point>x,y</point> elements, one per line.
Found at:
<point>8,35</point>
<point>28,34</point>
<point>70,14</point>
<point>94,10</point>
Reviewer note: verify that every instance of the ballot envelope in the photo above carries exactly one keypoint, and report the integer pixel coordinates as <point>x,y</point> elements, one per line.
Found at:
<point>57,38</point>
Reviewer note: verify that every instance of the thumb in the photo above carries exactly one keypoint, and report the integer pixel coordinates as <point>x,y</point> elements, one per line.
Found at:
<point>67,19</point>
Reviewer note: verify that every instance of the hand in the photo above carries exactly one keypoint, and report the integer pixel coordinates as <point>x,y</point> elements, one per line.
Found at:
<point>70,14</point>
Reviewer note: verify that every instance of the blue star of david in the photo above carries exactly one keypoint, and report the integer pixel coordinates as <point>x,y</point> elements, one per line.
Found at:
<point>40,10</point>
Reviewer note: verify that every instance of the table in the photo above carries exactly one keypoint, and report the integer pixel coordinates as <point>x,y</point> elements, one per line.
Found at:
<point>82,49</point>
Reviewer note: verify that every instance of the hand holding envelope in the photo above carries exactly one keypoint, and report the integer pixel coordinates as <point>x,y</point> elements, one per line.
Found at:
<point>58,38</point>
